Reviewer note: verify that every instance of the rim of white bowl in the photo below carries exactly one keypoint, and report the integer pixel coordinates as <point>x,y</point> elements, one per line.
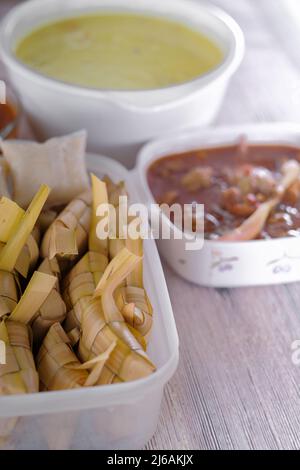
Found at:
<point>227,67</point>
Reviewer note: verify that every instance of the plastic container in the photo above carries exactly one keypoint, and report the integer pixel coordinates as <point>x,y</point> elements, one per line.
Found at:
<point>119,416</point>
<point>226,264</point>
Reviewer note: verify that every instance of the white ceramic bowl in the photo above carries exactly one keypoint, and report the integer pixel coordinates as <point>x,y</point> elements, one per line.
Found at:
<point>225,264</point>
<point>118,122</point>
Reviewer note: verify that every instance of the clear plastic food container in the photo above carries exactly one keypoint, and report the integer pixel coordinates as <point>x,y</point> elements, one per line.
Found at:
<point>119,416</point>
<point>226,264</point>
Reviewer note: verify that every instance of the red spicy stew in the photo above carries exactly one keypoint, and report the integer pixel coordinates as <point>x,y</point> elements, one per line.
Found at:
<point>233,182</point>
<point>7,116</point>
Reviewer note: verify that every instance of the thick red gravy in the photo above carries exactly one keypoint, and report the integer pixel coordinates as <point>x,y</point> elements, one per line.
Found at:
<point>7,116</point>
<point>231,182</point>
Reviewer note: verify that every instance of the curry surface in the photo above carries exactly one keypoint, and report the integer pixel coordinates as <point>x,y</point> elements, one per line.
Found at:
<point>224,211</point>
<point>119,51</point>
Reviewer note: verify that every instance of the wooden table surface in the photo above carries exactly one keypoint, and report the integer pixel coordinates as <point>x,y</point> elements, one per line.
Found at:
<point>236,386</point>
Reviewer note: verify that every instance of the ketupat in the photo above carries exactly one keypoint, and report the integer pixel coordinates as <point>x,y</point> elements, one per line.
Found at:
<point>46,218</point>
<point>116,272</point>
<point>41,304</point>
<point>59,367</point>
<point>10,216</point>
<point>32,162</point>
<point>100,296</point>
<point>36,292</point>
<point>132,299</point>
<point>115,191</point>
<point>128,361</point>
<point>83,278</point>
<point>99,197</point>
<point>81,283</point>
<point>67,236</point>
<point>19,235</point>
<point>9,292</point>
<point>15,327</point>
<point>135,306</point>
<point>88,278</point>
<point>102,324</point>
<point>124,364</point>
<point>18,375</point>
<point>16,227</point>
<point>53,309</point>
<point>29,255</point>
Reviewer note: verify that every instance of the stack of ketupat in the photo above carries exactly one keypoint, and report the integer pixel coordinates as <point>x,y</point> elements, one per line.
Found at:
<point>73,308</point>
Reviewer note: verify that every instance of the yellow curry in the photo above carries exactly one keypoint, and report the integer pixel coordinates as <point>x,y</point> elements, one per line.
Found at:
<point>119,51</point>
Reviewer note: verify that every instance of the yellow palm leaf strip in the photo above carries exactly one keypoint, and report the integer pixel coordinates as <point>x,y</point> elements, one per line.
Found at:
<point>107,377</point>
<point>57,363</point>
<point>53,309</point>
<point>59,368</point>
<point>36,292</point>
<point>10,217</point>
<point>67,236</point>
<point>74,335</point>
<point>51,267</point>
<point>95,365</point>
<point>252,226</point>
<point>124,364</point>
<point>19,374</point>
<point>136,309</point>
<point>115,246</point>
<point>115,191</point>
<point>88,270</point>
<point>9,292</point>
<point>11,251</point>
<point>117,243</point>
<point>135,277</point>
<point>80,284</point>
<point>83,278</point>
<point>46,218</point>
<point>29,255</point>
<point>117,270</point>
<point>99,197</point>
<point>138,336</point>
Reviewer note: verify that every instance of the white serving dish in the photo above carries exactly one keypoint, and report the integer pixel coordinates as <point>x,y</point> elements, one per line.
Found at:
<point>226,264</point>
<point>119,416</point>
<point>118,122</point>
